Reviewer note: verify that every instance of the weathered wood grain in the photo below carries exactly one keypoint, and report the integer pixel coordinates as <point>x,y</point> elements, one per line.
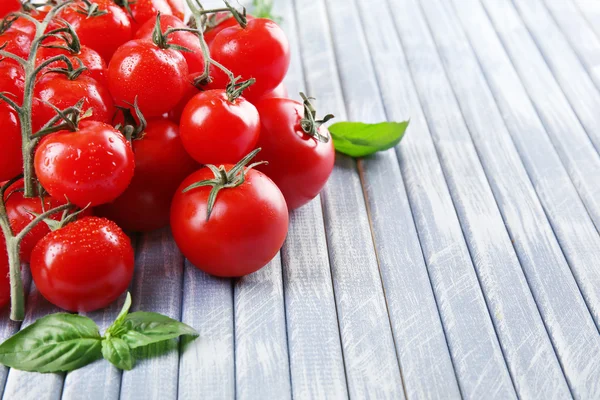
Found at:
<point>423,353</point>
<point>580,35</point>
<point>261,354</point>
<point>207,364</point>
<point>590,9</point>
<point>548,273</point>
<point>369,352</point>
<point>157,287</point>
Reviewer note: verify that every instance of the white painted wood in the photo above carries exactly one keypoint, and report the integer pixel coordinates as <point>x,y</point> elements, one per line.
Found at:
<point>369,353</point>
<point>566,67</point>
<point>580,35</point>
<point>590,9</point>
<point>315,351</point>
<point>548,273</point>
<point>157,287</point>
<point>558,118</point>
<point>261,353</point>
<point>426,366</point>
<point>31,385</point>
<point>575,232</point>
<point>207,364</point>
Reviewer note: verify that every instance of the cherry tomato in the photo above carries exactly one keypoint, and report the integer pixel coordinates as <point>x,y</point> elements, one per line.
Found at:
<point>161,163</point>
<point>158,77</point>
<point>246,228</point>
<point>12,80</point>
<point>17,43</point>
<point>280,92</point>
<point>224,20</point>
<point>101,32</point>
<point>299,164</point>
<point>190,91</point>
<point>23,25</point>
<point>11,159</point>
<point>194,58</point>
<point>215,130</point>
<point>92,166</point>
<point>260,51</point>
<point>8,6</point>
<point>4,274</point>
<point>62,92</point>
<point>96,67</point>
<point>177,8</point>
<point>144,10</point>
<point>19,210</point>
<point>84,266</point>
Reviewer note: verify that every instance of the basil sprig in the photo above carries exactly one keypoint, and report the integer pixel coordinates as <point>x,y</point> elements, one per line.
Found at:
<point>358,139</point>
<point>65,342</point>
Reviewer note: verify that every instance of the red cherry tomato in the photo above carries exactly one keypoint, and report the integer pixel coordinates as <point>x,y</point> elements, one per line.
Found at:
<point>4,274</point>
<point>8,6</point>
<point>299,164</point>
<point>12,80</point>
<point>190,91</point>
<point>177,8</point>
<point>92,166</point>
<point>224,20</point>
<point>96,67</point>
<point>161,163</point>
<point>260,51</point>
<point>280,92</point>
<point>11,159</point>
<point>19,210</point>
<point>84,266</point>
<point>157,77</point>
<point>17,43</point>
<point>215,130</point>
<point>101,32</point>
<point>144,10</point>
<point>246,228</point>
<point>62,92</point>
<point>23,25</point>
<point>194,58</point>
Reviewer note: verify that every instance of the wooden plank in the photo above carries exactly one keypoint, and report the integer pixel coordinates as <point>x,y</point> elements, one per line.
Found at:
<point>157,287</point>
<point>561,123</point>
<point>580,35</point>
<point>563,62</point>
<point>590,9</point>
<point>315,351</point>
<point>369,353</point>
<point>207,364</point>
<point>563,207</point>
<point>508,295</point>
<point>31,385</point>
<point>426,366</point>
<point>477,358</point>
<point>547,271</point>
<point>261,354</point>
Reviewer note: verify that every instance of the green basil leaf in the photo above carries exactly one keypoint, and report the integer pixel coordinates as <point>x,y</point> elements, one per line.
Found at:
<point>55,343</point>
<point>118,353</point>
<point>113,329</point>
<point>144,328</point>
<point>358,139</point>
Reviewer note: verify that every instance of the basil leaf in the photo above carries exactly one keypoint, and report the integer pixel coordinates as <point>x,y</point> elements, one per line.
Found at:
<point>144,328</point>
<point>113,329</point>
<point>118,353</point>
<point>358,139</point>
<point>55,343</point>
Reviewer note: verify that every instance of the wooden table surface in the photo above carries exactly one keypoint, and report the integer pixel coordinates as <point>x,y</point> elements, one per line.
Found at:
<point>463,264</point>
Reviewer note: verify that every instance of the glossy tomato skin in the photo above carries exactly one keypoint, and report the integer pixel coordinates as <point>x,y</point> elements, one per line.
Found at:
<point>84,266</point>
<point>15,42</point>
<point>161,164</point>
<point>225,21</point>
<point>299,164</point>
<point>8,6</point>
<point>103,33</point>
<point>12,80</point>
<point>95,64</point>
<point>19,210</point>
<point>158,77</point>
<point>92,166</point>
<point>193,58</point>
<point>280,92</point>
<point>215,130</point>
<point>246,229</point>
<point>62,92</point>
<point>11,159</point>
<point>23,25</point>
<point>260,51</point>
<point>143,11</point>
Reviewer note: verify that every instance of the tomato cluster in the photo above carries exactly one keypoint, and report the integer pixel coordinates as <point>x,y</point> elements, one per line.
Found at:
<point>145,122</point>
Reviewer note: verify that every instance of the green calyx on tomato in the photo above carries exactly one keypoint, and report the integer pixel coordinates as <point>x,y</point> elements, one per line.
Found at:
<point>161,39</point>
<point>235,89</point>
<point>132,127</point>
<point>225,179</point>
<point>310,124</point>
<point>90,9</point>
